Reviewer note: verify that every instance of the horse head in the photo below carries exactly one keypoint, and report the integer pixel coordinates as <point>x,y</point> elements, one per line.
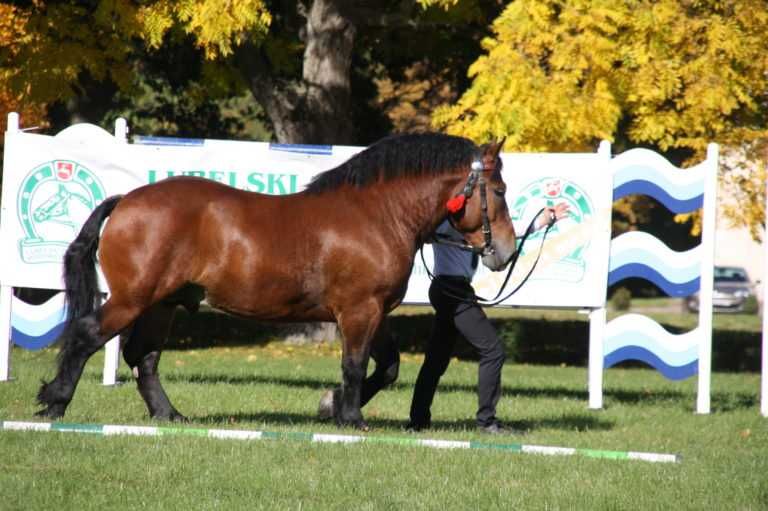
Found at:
<point>479,210</point>
<point>55,206</point>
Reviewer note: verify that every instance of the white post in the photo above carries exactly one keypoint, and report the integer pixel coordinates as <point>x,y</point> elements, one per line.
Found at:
<point>111,361</point>
<point>706,279</point>
<point>597,321</point>
<point>764,356</point>
<point>13,122</point>
<point>6,292</point>
<point>6,295</point>
<point>121,130</point>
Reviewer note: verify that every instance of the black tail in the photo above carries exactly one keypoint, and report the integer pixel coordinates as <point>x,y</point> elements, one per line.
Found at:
<point>80,278</point>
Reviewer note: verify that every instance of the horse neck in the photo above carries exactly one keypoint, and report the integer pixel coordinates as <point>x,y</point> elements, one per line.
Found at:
<point>416,207</point>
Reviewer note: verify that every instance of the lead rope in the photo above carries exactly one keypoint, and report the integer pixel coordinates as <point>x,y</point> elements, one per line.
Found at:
<point>484,302</point>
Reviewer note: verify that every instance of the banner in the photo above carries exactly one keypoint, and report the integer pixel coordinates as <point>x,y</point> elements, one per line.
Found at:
<point>51,184</point>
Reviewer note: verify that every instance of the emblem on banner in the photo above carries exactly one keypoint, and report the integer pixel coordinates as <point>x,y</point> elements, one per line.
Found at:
<point>54,201</point>
<point>550,191</point>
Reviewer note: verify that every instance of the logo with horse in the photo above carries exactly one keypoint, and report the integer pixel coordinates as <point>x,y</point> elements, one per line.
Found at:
<point>566,261</point>
<point>54,201</point>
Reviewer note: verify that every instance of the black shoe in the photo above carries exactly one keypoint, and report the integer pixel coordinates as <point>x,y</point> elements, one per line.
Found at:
<point>415,427</point>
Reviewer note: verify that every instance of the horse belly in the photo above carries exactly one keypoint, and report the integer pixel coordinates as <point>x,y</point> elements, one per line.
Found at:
<point>274,301</point>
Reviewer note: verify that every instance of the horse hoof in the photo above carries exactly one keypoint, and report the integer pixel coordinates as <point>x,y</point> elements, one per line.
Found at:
<point>325,409</point>
<point>51,412</point>
<point>177,417</point>
<point>172,416</point>
<point>358,424</point>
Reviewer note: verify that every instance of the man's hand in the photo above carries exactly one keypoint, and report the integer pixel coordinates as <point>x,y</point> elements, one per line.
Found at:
<point>551,215</point>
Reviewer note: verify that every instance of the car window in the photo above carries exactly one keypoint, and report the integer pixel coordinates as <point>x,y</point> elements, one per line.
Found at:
<point>729,274</point>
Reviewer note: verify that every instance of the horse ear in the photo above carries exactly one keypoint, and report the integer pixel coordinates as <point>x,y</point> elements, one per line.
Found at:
<point>492,149</point>
<point>501,144</point>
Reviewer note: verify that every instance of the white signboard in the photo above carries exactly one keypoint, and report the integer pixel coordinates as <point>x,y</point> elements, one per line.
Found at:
<point>51,184</point>
<point>573,266</point>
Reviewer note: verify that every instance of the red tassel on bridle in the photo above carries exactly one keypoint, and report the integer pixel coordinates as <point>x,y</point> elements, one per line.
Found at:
<point>456,204</point>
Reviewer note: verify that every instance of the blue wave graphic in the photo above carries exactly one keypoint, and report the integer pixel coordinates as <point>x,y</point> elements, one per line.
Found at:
<point>646,272</point>
<point>302,148</point>
<point>37,327</point>
<point>643,332</point>
<point>36,342</point>
<point>656,261</point>
<point>643,355</point>
<point>673,204</point>
<point>169,141</point>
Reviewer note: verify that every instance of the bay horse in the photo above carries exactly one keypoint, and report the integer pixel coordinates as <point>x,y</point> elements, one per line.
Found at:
<point>341,250</point>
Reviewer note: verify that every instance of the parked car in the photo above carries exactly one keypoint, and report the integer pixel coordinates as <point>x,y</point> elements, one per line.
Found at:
<point>733,291</point>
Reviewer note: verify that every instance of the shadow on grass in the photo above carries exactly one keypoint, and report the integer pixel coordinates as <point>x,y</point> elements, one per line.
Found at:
<point>732,401</point>
<point>281,419</point>
<point>328,383</point>
<point>721,401</point>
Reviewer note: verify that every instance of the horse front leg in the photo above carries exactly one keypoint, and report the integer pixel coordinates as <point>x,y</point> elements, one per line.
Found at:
<point>386,354</point>
<point>358,328</point>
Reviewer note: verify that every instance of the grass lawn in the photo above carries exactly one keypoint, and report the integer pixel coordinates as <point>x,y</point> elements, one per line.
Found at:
<point>276,387</point>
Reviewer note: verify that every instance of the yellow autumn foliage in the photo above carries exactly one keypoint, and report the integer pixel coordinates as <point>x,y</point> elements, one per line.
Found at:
<point>216,24</point>
<point>560,75</point>
<point>45,46</point>
<point>12,28</point>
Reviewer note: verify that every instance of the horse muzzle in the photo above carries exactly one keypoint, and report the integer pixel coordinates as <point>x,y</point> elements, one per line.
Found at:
<point>498,258</point>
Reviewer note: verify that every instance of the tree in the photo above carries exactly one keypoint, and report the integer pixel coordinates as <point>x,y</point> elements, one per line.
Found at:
<point>669,74</point>
<point>746,179</point>
<point>12,28</point>
<point>312,86</point>
<point>310,65</point>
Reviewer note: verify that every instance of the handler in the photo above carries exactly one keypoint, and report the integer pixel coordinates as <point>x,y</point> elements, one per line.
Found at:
<point>454,269</point>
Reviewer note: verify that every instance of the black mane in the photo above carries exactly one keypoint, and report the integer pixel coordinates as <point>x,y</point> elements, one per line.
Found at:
<point>398,156</point>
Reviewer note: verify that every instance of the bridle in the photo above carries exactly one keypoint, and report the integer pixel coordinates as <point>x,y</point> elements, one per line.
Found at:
<point>476,178</point>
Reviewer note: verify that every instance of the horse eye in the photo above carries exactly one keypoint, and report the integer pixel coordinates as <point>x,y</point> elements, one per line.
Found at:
<point>500,192</point>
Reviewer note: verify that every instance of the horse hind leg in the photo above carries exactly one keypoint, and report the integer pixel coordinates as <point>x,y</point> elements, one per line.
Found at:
<point>142,347</point>
<point>83,337</point>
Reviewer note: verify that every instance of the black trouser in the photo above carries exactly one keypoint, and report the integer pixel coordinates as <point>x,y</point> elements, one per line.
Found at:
<point>452,317</point>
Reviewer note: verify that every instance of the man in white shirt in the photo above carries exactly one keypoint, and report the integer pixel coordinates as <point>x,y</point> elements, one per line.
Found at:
<point>451,294</point>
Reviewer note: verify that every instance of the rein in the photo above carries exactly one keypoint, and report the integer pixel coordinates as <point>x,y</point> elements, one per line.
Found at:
<point>479,300</point>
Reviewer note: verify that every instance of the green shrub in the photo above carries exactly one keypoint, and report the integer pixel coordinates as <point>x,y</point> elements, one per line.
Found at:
<point>509,332</point>
<point>621,299</point>
<point>750,305</point>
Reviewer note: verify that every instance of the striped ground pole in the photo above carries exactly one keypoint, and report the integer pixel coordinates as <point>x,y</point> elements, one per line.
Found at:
<point>110,430</point>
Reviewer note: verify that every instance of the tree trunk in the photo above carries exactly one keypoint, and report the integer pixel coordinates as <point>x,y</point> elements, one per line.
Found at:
<point>316,108</point>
